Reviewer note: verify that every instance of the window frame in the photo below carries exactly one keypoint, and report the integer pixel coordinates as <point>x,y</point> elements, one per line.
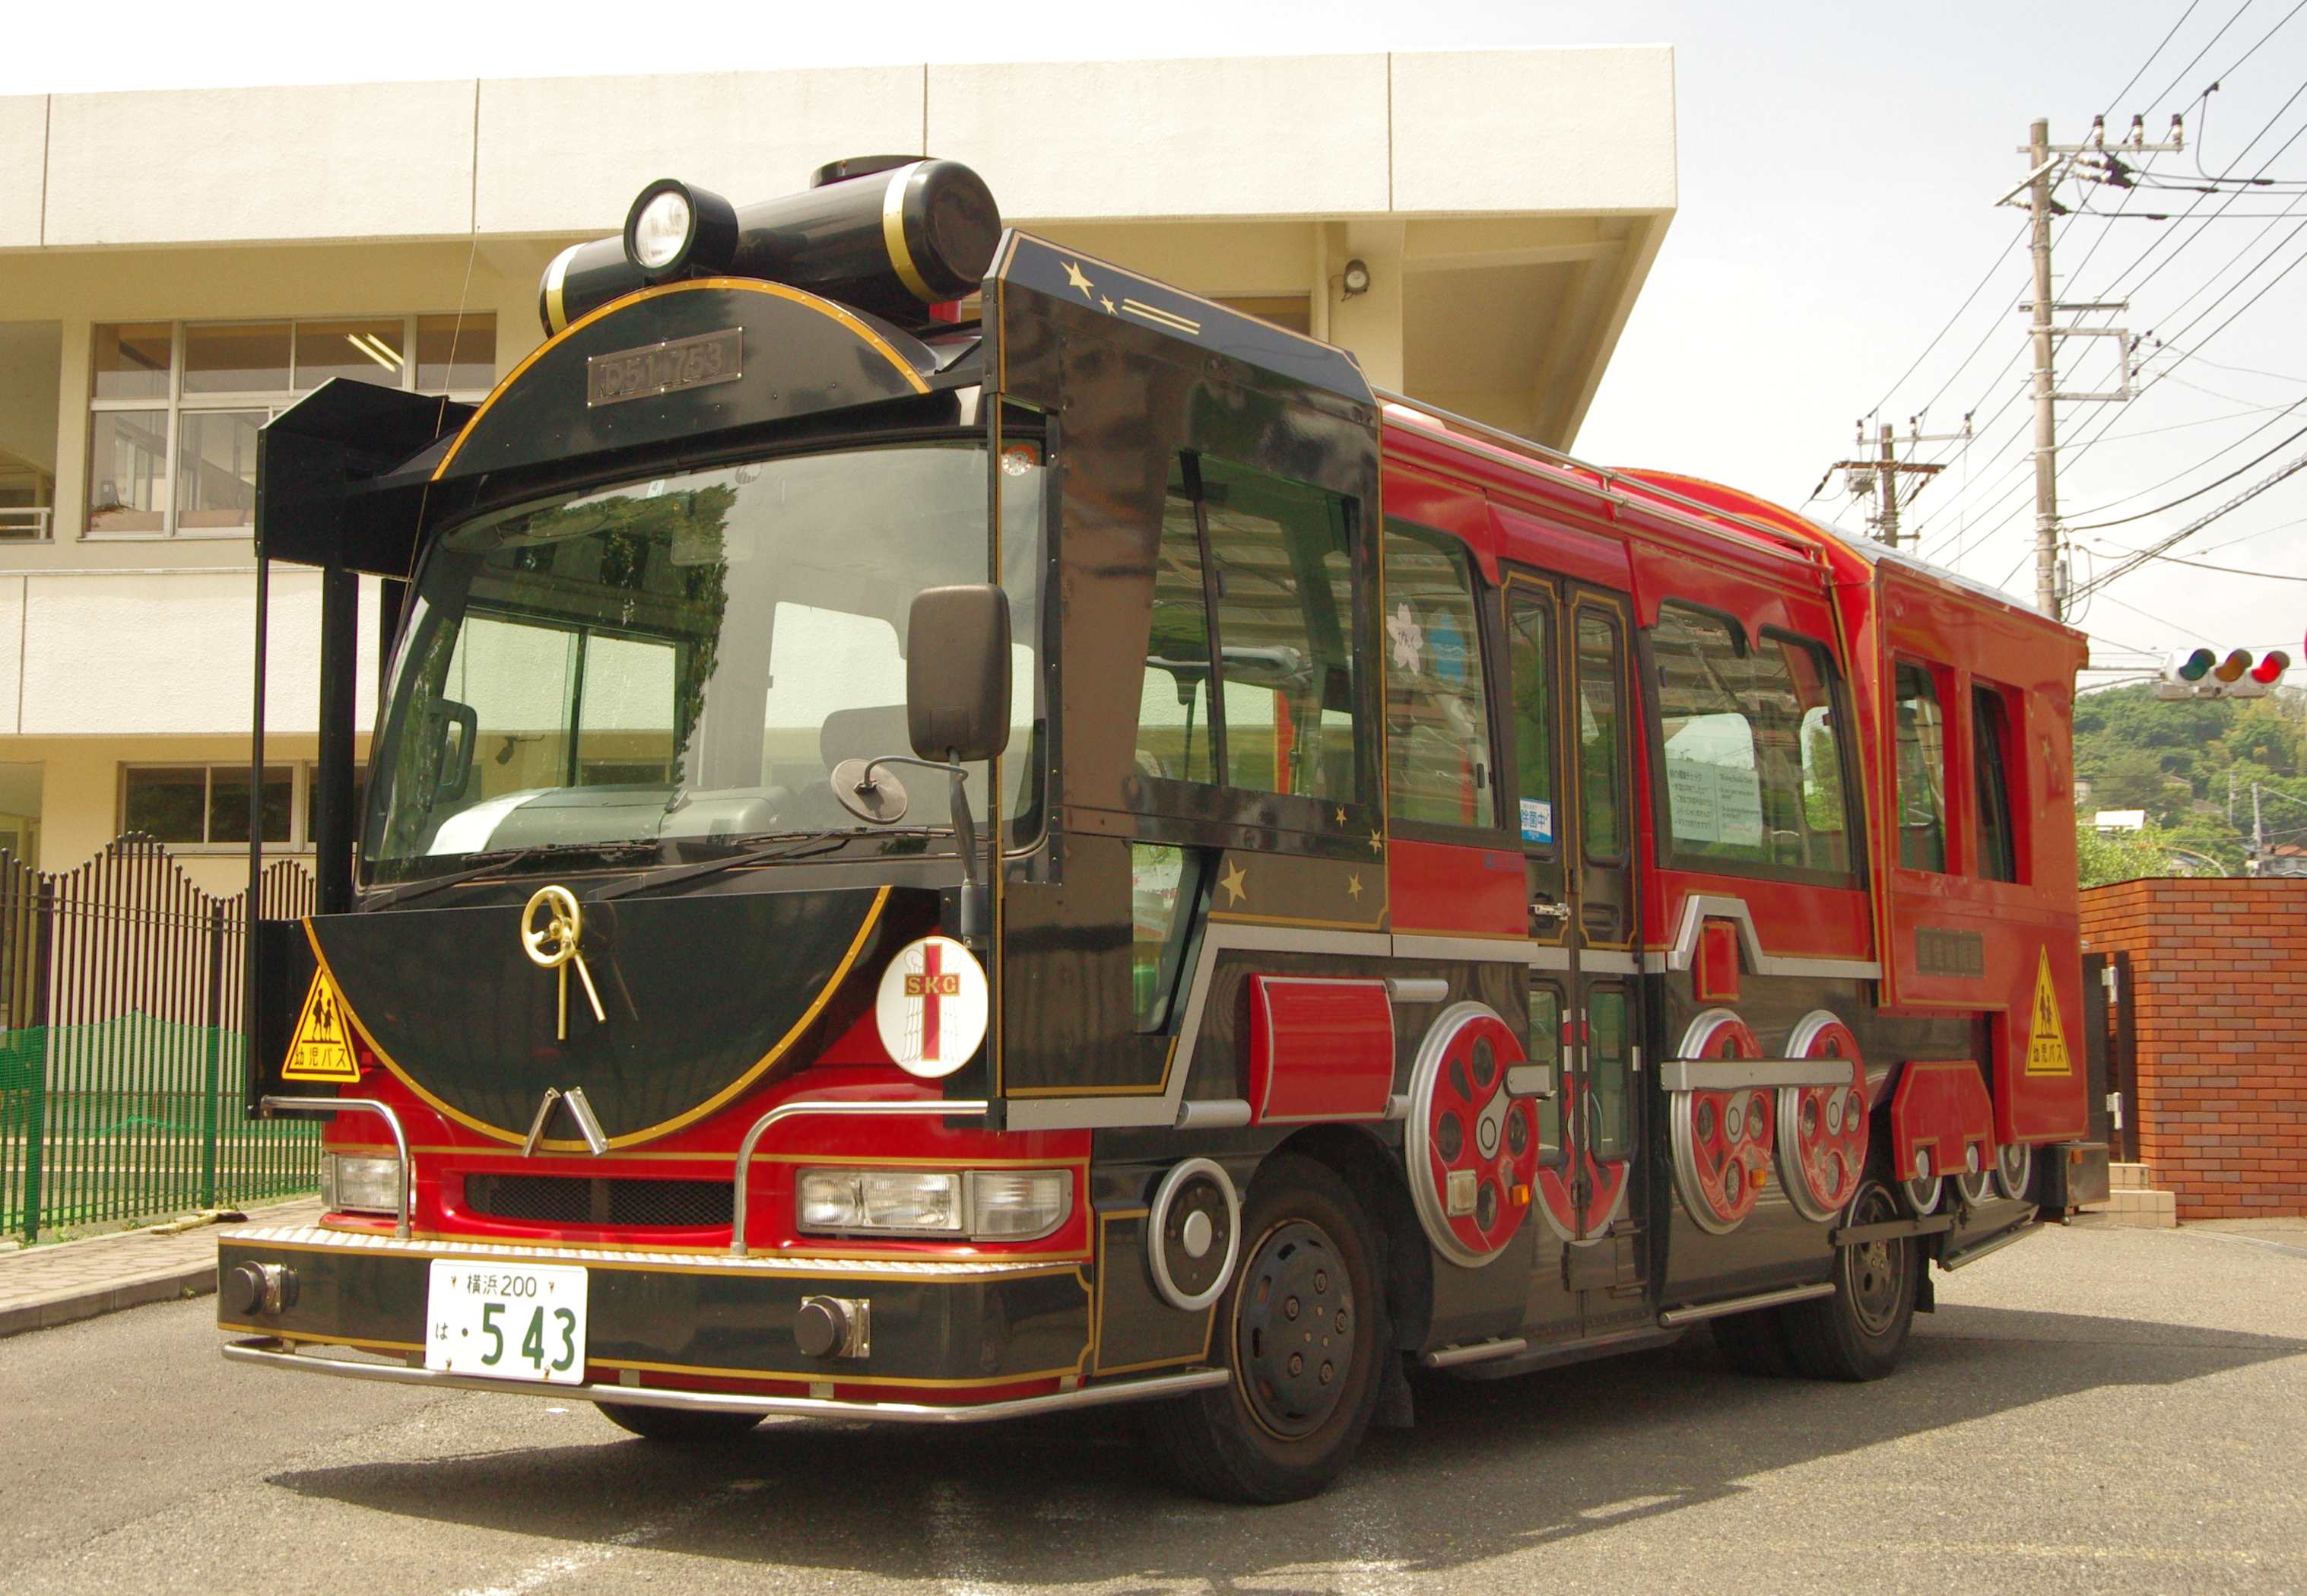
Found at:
<point>1510,721</point>
<point>1942,680</point>
<point>1489,649</point>
<point>1616,614</point>
<point>176,404</point>
<point>1855,876</point>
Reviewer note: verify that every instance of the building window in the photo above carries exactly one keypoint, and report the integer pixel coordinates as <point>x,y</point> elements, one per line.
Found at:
<point>174,406</point>
<point>198,807</point>
<point>1922,769</point>
<point>1754,766</point>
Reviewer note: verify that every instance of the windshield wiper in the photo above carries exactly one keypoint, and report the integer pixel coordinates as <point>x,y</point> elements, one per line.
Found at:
<point>502,858</point>
<point>792,845</point>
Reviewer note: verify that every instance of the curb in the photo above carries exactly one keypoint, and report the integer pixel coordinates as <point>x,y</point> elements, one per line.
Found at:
<point>171,1286</point>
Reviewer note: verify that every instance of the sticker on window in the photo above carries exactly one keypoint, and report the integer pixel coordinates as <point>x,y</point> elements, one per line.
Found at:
<point>1537,820</point>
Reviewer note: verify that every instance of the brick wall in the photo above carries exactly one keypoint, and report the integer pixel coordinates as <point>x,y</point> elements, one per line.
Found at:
<point>2219,980</point>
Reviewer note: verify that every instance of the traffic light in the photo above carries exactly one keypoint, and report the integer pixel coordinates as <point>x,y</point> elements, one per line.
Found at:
<point>2200,673</point>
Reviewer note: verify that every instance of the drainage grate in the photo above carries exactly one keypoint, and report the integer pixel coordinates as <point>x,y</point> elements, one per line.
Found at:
<point>567,1199</point>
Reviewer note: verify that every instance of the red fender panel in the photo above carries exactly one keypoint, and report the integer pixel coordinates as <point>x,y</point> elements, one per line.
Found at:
<point>1319,1049</point>
<point>1942,1105</point>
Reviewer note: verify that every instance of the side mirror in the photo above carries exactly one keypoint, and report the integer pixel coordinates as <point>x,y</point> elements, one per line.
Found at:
<point>458,728</point>
<point>958,672</point>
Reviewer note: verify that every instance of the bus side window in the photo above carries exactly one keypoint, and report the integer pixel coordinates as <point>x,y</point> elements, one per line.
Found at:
<point>1545,1004</point>
<point>1990,731</point>
<point>1530,615</point>
<point>1601,791</point>
<point>1922,769</point>
<point>1609,1123</point>
<point>1438,760</point>
<point>1261,569</point>
<point>1176,730</point>
<point>1163,881</point>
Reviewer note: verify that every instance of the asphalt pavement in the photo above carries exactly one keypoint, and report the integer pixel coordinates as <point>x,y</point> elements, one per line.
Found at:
<point>2091,1411</point>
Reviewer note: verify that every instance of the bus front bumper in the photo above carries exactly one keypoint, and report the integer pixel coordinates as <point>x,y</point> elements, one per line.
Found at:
<point>952,1340</point>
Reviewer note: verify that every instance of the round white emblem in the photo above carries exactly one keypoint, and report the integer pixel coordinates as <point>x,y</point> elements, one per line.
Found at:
<point>931,1006</point>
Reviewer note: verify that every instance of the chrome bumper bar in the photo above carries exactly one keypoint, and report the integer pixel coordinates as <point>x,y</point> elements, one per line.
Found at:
<point>264,1349</point>
<point>407,1178</point>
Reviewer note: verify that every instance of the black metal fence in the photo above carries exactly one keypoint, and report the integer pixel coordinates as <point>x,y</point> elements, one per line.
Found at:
<point>122,1049</point>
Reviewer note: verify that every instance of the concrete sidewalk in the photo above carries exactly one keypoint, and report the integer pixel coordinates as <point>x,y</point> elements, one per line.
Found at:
<point>42,1286</point>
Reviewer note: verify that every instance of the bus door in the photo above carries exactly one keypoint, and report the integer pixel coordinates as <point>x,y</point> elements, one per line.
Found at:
<point>1566,647</point>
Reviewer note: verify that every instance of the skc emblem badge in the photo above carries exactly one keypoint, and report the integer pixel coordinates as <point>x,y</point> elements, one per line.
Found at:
<point>931,1006</point>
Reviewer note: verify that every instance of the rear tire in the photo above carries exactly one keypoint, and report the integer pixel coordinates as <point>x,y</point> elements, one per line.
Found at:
<point>1858,1332</point>
<point>678,1426</point>
<point>1307,1298</point>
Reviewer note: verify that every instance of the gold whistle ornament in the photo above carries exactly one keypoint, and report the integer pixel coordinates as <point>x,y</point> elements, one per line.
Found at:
<point>553,945</point>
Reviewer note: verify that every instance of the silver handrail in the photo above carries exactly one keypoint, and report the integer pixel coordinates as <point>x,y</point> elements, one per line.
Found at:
<point>383,1110</point>
<point>788,1110</point>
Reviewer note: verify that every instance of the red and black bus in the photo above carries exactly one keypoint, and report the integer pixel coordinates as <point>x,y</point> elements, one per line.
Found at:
<point>927,863</point>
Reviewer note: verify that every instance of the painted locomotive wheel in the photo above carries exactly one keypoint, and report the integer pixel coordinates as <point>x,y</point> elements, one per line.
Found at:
<point>1580,1195</point>
<point>1192,1234</point>
<point>1922,1193</point>
<point>1822,1129</point>
<point>1977,1185</point>
<point>2014,1170</point>
<point>1722,1140</point>
<point>1474,1154</point>
<point>1294,1330</point>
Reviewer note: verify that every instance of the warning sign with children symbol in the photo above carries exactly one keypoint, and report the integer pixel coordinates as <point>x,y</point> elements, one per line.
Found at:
<point>2047,1043</point>
<point>321,1050</point>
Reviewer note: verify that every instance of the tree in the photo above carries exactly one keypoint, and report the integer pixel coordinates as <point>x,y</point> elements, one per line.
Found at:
<point>2100,861</point>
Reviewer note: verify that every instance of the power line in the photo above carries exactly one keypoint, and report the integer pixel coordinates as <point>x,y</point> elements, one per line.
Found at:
<point>2188,530</point>
<point>2199,465</point>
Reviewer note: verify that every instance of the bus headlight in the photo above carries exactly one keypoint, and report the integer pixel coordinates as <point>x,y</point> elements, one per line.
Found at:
<point>359,1184</point>
<point>983,1204</point>
<point>675,229</point>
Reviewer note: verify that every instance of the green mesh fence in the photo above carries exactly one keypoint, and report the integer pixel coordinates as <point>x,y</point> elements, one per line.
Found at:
<point>135,1117</point>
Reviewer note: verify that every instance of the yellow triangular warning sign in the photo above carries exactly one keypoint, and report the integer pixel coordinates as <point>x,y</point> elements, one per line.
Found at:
<point>321,1051</point>
<point>2046,1047</point>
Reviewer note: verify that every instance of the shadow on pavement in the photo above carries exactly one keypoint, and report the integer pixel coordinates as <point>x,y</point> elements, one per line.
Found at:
<point>1489,1470</point>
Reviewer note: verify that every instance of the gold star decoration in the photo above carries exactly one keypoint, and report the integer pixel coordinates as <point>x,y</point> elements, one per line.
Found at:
<point>1076,280</point>
<point>1377,842</point>
<point>1236,882</point>
<point>1341,814</point>
<point>1109,311</point>
<point>1354,886</point>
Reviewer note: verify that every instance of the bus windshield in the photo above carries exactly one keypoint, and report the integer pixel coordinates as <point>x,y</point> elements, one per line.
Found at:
<point>686,657</point>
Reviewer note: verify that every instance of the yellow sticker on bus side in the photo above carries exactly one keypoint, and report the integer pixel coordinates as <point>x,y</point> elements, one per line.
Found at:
<point>321,1051</point>
<point>2046,1046</point>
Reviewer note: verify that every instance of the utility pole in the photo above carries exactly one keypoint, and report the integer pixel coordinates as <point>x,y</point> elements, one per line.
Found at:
<point>2258,833</point>
<point>1879,476</point>
<point>2047,165</point>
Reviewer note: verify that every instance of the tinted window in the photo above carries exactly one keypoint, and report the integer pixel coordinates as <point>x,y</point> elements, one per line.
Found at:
<point>1609,1061</point>
<point>1599,821</point>
<point>1273,712</point>
<point>1922,769</point>
<point>1998,842</point>
<point>1753,763</point>
<point>1529,627</point>
<point>1438,764</point>
<point>1546,1048</point>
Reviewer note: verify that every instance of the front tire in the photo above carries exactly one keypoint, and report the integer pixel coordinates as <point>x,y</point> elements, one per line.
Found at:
<point>678,1426</point>
<point>1303,1328</point>
<point>1858,1332</point>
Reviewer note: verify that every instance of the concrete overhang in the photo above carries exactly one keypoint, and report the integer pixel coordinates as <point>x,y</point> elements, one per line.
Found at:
<point>1508,202</point>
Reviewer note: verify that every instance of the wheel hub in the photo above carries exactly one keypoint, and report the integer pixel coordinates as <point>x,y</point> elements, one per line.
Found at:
<point>1874,1273</point>
<point>1295,1329</point>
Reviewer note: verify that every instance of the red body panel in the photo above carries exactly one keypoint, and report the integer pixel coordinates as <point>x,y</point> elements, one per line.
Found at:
<point>1941,1106</point>
<point>1319,1049</point>
<point>1452,891</point>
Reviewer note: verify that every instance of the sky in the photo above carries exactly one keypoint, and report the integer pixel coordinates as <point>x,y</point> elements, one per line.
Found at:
<point>1838,253</point>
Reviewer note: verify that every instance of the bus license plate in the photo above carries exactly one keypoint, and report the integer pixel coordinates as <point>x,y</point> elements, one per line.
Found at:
<point>519,1322</point>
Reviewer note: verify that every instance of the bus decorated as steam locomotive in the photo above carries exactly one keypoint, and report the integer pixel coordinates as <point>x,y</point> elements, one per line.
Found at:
<point>929,866</point>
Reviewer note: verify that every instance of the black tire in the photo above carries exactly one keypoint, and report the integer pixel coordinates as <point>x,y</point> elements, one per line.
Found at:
<point>1754,1343</point>
<point>1276,1433</point>
<point>1858,1332</point>
<point>679,1427</point>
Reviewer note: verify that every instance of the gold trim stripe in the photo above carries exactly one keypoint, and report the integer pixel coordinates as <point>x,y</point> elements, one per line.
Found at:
<point>719,1099</point>
<point>893,233</point>
<point>1162,318</point>
<point>825,308</point>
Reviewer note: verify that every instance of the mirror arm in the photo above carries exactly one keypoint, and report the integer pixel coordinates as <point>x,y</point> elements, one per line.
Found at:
<point>975,900</point>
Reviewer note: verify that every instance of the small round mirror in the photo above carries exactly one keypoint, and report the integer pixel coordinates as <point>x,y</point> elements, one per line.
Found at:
<point>871,795</point>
